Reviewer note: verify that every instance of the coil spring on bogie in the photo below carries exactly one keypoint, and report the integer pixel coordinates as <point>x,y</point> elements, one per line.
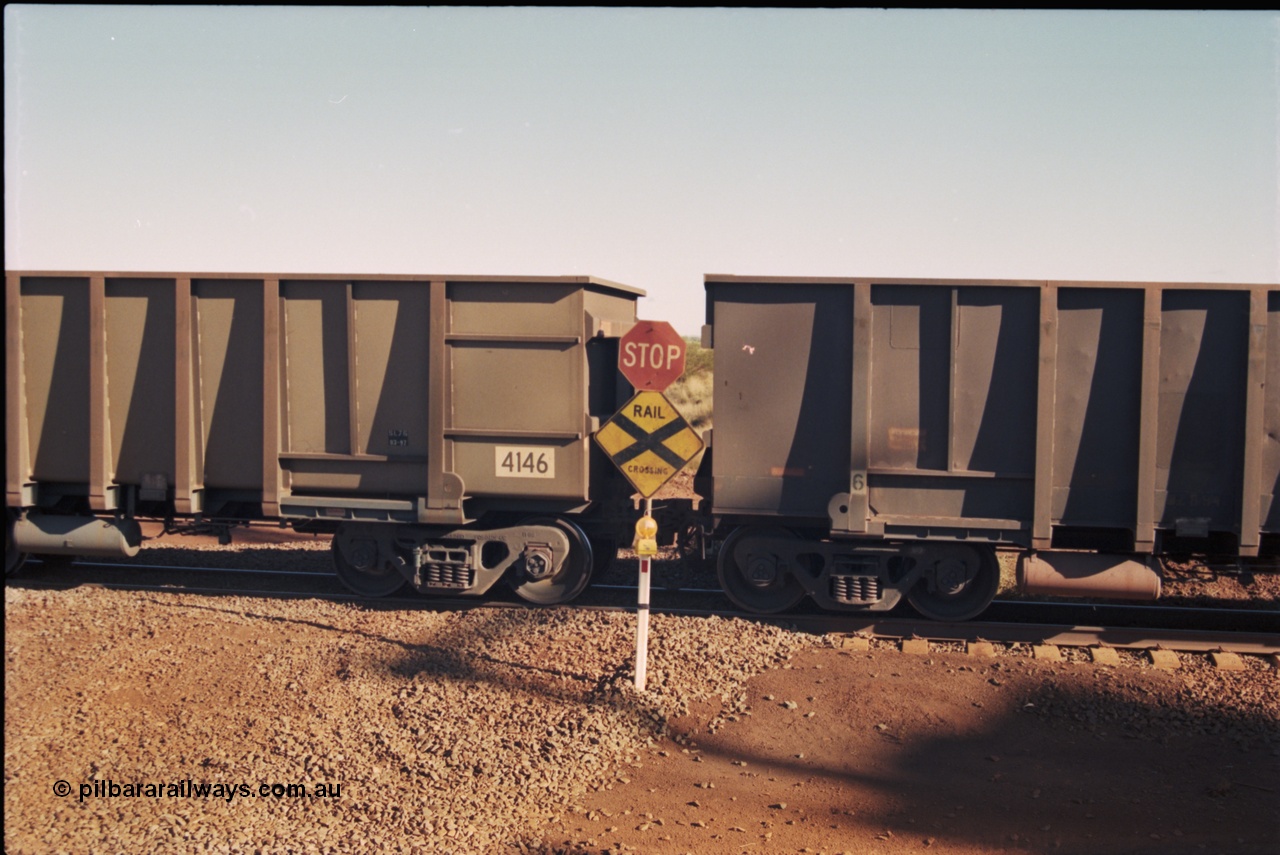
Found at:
<point>447,576</point>
<point>855,589</point>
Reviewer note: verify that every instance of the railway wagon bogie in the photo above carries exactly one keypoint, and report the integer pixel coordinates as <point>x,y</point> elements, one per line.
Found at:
<point>1092,424</point>
<point>768,570</point>
<point>547,560</point>
<point>406,412</point>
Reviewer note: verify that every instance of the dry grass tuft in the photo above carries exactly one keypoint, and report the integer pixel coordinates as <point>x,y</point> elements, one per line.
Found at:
<point>691,395</point>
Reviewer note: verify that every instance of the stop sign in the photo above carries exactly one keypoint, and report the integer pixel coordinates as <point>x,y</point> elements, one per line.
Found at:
<point>651,355</point>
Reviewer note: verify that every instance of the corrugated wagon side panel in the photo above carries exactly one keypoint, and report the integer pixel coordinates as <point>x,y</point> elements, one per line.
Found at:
<point>1116,415</point>
<point>229,399</point>
<point>1097,413</point>
<point>399,388</point>
<point>356,386</point>
<point>953,406</point>
<point>390,396</point>
<point>911,384</point>
<point>102,384</point>
<point>993,427</point>
<point>56,376</point>
<point>140,335</point>
<point>317,385</point>
<point>518,420</point>
<point>509,348</point>
<point>391,344</point>
<point>1200,443</point>
<point>783,386</point>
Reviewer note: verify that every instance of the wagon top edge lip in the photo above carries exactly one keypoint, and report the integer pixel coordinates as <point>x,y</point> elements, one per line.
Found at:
<point>593,281</point>
<point>710,279</point>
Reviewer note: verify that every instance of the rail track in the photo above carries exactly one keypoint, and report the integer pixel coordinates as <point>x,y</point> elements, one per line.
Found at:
<point>1182,629</point>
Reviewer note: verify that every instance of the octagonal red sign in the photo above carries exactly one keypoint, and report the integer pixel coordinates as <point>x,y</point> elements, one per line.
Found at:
<point>651,355</point>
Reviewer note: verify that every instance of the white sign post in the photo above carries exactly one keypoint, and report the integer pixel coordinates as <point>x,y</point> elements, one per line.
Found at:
<point>646,546</point>
<point>651,355</point>
<point>642,627</point>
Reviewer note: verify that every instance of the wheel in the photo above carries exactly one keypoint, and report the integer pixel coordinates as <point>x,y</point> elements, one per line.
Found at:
<point>754,580</point>
<point>13,559</point>
<point>958,583</point>
<point>361,573</point>
<point>567,582</point>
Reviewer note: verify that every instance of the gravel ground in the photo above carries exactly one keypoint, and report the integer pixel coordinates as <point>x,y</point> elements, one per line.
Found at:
<point>877,751</point>
<point>518,729</point>
<point>448,732</point>
<point>495,730</point>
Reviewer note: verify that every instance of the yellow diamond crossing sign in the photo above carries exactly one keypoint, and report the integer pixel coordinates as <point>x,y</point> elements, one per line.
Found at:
<point>649,441</point>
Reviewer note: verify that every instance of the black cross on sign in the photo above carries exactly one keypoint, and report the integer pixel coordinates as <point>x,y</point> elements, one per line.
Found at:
<point>645,441</point>
<point>649,441</point>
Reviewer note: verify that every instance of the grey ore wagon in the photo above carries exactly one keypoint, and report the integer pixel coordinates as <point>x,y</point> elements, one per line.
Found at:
<point>439,425</point>
<point>878,438</point>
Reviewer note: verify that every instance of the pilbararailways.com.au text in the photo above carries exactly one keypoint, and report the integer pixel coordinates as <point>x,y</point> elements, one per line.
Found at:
<point>190,789</point>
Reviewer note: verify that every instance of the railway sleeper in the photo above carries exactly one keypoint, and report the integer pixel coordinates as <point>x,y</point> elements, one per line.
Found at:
<point>548,560</point>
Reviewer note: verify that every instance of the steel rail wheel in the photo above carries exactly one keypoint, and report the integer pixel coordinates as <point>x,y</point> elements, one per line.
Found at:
<point>362,573</point>
<point>958,582</point>
<point>569,580</point>
<point>757,581</point>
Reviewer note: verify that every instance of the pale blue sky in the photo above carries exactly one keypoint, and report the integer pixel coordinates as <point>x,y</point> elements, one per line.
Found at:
<point>647,146</point>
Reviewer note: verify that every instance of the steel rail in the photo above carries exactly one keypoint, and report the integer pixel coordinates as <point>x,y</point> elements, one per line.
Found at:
<point>326,574</point>
<point>997,603</point>
<point>186,568</point>
<point>1062,635</point>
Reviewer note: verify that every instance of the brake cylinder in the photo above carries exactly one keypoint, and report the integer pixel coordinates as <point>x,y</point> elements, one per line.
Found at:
<point>48,534</point>
<point>1087,574</point>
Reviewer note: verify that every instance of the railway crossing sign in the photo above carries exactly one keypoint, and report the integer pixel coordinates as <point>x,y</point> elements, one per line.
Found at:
<point>649,441</point>
<point>651,355</point>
